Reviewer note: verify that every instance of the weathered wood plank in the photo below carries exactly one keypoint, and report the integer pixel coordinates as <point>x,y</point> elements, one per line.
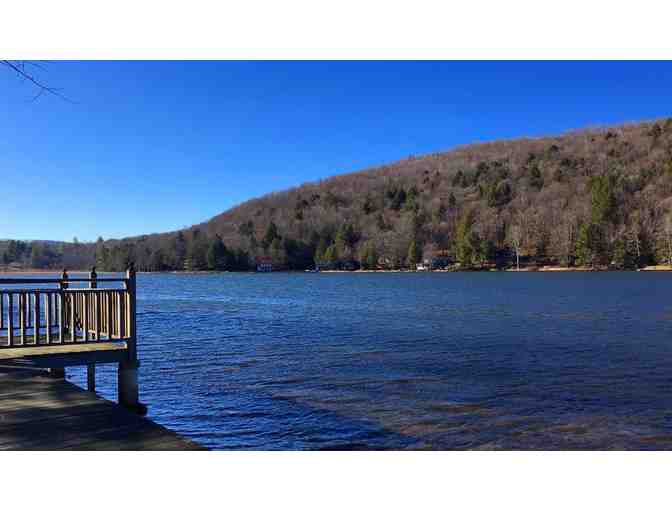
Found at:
<point>48,350</point>
<point>40,413</point>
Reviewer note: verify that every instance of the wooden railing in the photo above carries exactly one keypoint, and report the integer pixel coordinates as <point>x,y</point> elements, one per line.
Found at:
<point>33,317</point>
<point>41,313</point>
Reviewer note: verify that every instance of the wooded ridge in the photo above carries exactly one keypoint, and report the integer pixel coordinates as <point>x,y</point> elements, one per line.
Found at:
<point>596,197</point>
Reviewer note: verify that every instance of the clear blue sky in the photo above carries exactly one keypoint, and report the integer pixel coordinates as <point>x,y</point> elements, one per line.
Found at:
<point>155,146</point>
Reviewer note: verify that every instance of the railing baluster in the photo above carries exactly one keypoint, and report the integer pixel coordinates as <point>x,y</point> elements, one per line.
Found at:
<point>101,314</point>
<point>85,313</point>
<point>129,318</point>
<point>47,317</point>
<point>36,321</point>
<point>54,309</point>
<point>57,311</point>
<point>49,304</point>
<point>73,332</point>
<point>22,317</point>
<point>2,310</point>
<point>115,304</point>
<point>97,314</point>
<point>117,316</point>
<point>29,316</point>
<point>59,315</point>
<point>10,319</point>
<point>122,315</point>
<point>108,298</point>
<point>27,301</point>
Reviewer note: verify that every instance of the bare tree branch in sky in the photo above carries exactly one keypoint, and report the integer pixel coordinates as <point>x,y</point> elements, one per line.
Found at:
<point>26,69</point>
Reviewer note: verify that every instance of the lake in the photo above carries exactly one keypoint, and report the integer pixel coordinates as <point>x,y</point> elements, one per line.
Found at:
<point>407,360</point>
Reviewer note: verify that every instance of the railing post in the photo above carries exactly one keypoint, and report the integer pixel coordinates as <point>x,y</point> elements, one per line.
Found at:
<point>127,383</point>
<point>131,289</point>
<point>93,278</point>
<point>64,280</point>
<point>59,373</point>
<point>64,308</point>
<point>91,367</point>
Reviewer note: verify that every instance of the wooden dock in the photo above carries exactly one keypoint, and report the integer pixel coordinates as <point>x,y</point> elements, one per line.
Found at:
<point>49,324</point>
<point>59,322</point>
<point>40,412</point>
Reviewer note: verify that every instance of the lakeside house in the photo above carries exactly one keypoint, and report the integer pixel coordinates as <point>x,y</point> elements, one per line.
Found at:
<point>438,260</point>
<point>433,263</point>
<point>264,264</point>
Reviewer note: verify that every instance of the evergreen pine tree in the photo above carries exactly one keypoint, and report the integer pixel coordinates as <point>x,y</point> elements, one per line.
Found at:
<point>217,255</point>
<point>179,251</point>
<point>270,236</point>
<point>464,240</point>
<point>414,254</point>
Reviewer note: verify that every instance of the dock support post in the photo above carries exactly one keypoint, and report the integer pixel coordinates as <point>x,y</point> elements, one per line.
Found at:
<point>127,384</point>
<point>57,373</point>
<point>127,380</point>
<point>91,377</point>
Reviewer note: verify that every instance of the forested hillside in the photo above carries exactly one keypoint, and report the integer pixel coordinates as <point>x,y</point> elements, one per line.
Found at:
<point>18,255</point>
<point>598,197</point>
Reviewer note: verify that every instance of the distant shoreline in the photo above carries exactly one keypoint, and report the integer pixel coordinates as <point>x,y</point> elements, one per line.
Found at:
<point>540,269</point>
<point>25,272</point>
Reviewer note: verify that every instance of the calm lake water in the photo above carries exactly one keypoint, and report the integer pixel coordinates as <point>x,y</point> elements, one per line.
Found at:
<point>396,361</point>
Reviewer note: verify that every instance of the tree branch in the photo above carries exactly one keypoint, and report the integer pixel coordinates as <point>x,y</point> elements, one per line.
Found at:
<point>22,68</point>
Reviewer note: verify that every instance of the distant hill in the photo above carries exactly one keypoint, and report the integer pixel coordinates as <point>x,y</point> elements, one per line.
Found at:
<point>597,197</point>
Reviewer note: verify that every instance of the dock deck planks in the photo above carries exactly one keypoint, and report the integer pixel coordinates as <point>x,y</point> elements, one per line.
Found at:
<point>38,412</point>
<point>61,349</point>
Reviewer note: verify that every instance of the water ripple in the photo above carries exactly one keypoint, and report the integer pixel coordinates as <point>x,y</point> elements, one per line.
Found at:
<point>407,361</point>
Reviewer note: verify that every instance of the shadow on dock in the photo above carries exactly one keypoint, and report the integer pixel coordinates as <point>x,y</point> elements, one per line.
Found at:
<point>38,412</point>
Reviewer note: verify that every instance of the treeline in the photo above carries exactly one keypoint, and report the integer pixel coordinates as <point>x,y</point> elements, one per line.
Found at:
<point>190,251</point>
<point>44,254</point>
<point>599,198</point>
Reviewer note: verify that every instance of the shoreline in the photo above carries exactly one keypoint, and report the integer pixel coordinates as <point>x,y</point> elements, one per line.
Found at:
<point>535,269</point>
<point>539,269</point>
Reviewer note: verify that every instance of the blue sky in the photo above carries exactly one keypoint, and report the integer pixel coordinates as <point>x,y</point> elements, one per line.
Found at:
<point>154,146</point>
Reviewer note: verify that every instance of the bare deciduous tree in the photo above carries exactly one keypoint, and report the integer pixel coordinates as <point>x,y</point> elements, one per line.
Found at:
<point>516,235</point>
<point>667,228</point>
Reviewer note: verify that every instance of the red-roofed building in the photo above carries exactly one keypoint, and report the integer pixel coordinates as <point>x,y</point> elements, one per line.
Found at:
<point>264,264</point>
